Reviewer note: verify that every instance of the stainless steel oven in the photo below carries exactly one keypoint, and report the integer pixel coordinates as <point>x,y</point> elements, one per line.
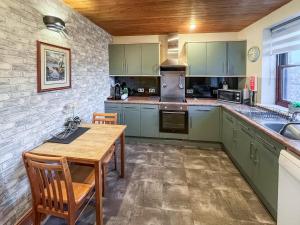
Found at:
<point>173,118</point>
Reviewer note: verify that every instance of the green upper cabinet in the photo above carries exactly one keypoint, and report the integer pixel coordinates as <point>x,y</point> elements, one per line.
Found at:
<point>216,58</point>
<point>204,123</point>
<point>236,54</point>
<point>133,59</point>
<point>196,58</point>
<point>150,59</point>
<point>116,59</point>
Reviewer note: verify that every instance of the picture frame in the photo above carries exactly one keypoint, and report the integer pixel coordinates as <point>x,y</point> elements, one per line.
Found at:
<point>53,67</point>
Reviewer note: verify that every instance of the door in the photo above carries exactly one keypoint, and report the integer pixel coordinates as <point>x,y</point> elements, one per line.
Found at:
<point>115,108</point>
<point>204,123</point>
<point>266,173</point>
<point>132,118</point>
<point>150,59</point>
<point>237,58</point>
<point>196,58</point>
<point>216,58</point>
<point>149,121</point>
<point>133,59</point>
<point>116,60</point>
<point>244,152</point>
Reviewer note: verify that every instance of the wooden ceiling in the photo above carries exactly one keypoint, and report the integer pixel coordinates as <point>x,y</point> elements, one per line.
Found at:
<point>144,17</point>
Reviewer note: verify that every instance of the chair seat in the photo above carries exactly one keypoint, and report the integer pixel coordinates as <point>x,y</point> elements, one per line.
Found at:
<point>109,155</point>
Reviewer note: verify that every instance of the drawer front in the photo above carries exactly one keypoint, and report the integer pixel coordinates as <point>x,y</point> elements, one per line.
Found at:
<point>116,106</point>
<point>135,107</point>
<point>202,108</point>
<point>149,107</point>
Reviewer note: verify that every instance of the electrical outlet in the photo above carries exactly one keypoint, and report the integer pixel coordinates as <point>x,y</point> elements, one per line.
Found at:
<point>151,90</point>
<point>141,90</point>
<point>189,91</point>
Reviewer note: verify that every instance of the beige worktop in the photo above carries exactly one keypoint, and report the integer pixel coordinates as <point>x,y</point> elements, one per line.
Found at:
<point>291,145</point>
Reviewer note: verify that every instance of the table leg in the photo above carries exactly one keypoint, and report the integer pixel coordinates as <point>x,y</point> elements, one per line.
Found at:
<point>122,152</point>
<point>98,194</point>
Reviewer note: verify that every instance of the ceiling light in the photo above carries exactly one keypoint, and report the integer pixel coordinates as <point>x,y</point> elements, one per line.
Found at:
<point>192,26</point>
<point>54,23</point>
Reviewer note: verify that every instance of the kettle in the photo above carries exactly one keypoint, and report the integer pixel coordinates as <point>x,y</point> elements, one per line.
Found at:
<point>117,93</point>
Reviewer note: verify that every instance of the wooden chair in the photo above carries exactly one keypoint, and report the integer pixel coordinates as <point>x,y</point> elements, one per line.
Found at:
<point>54,192</point>
<point>106,118</point>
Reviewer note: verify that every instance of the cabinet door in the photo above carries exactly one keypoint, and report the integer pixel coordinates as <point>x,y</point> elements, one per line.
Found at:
<point>237,58</point>
<point>228,132</point>
<point>150,59</point>
<point>204,123</point>
<point>244,152</point>
<point>115,108</point>
<point>216,58</point>
<point>133,59</point>
<point>196,58</point>
<point>149,121</point>
<point>132,118</point>
<point>266,173</point>
<point>116,60</point>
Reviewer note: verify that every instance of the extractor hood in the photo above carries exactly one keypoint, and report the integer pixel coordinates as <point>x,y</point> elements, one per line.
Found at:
<point>172,62</point>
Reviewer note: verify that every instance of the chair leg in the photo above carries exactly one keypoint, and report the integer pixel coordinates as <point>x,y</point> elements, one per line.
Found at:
<point>71,221</point>
<point>115,159</point>
<point>36,218</point>
<point>103,178</point>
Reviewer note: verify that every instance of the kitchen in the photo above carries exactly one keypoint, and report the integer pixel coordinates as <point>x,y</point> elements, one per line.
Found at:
<point>205,96</point>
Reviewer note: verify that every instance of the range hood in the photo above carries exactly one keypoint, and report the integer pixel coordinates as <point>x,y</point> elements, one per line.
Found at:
<point>172,62</point>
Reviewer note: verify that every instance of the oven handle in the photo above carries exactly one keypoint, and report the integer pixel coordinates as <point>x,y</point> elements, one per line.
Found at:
<point>170,112</point>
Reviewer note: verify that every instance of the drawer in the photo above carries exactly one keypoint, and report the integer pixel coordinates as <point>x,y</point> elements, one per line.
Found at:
<point>202,108</point>
<point>135,107</point>
<point>115,106</point>
<point>149,107</point>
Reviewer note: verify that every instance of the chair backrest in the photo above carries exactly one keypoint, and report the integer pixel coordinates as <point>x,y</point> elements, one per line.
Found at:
<point>105,118</point>
<point>50,182</point>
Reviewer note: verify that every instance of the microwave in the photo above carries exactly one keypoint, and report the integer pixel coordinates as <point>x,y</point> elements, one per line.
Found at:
<point>234,96</point>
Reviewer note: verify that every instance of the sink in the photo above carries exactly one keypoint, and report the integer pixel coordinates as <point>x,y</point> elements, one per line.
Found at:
<point>277,127</point>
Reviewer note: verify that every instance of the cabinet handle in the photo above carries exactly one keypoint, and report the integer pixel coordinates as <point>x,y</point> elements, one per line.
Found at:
<point>190,69</point>
<point>256,159</point>
<point>191,123</point>
<point>124,118</point>
<point>251,151</point>
<point>148,108</point>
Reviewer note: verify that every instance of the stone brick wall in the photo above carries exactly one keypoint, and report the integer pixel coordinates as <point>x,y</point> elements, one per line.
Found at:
<point>28,118</point>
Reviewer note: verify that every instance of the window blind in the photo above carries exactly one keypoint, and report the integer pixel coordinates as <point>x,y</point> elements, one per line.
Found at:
<point>285,37</point>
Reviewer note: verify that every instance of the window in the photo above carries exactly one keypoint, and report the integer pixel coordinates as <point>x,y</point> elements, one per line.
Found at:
<point>288,78</point>
<point>285,45</point>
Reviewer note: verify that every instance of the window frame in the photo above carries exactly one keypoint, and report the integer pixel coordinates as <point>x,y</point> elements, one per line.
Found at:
<point>281,64</point>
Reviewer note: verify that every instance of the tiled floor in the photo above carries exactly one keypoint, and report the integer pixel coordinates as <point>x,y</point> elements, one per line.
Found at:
<point>177,185</point>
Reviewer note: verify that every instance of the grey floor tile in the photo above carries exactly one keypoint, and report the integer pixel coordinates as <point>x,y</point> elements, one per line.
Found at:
<point>171,217</point>
<point>174,175</point>
<point>146,216</point>
<point>149,194</point>
<point>176,197</point>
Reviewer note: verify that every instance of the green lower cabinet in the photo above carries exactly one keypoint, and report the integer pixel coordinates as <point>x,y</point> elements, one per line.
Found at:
<point>228,130</point>
<point>132,118</point>
<point>204,123</point>
<point>149,121</point>
<point>244,151</point>
<point>115,108</point>
<point>265,176</point>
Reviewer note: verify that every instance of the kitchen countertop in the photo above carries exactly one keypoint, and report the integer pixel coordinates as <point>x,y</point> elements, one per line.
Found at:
<point>291,145</point>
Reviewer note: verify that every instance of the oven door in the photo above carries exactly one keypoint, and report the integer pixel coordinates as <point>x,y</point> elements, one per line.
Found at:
<point>173,121</point>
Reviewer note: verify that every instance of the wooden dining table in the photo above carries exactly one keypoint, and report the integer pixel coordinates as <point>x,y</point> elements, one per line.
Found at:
<point>90,148</point>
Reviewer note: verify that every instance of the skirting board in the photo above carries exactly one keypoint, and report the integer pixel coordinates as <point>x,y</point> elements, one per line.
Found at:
<point>26,219</point>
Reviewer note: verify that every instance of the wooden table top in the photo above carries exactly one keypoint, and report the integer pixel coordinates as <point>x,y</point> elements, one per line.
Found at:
<point>89,147</point>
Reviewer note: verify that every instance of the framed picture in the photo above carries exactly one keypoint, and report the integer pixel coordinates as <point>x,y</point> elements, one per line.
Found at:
<point>53,67</point>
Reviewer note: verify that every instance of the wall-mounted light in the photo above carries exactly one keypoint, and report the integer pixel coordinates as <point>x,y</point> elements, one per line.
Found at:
<point>192,26</point>
<point>54,23</point>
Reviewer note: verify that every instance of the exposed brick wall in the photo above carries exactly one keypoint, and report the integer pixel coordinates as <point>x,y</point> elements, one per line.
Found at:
<point>28,118</point>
